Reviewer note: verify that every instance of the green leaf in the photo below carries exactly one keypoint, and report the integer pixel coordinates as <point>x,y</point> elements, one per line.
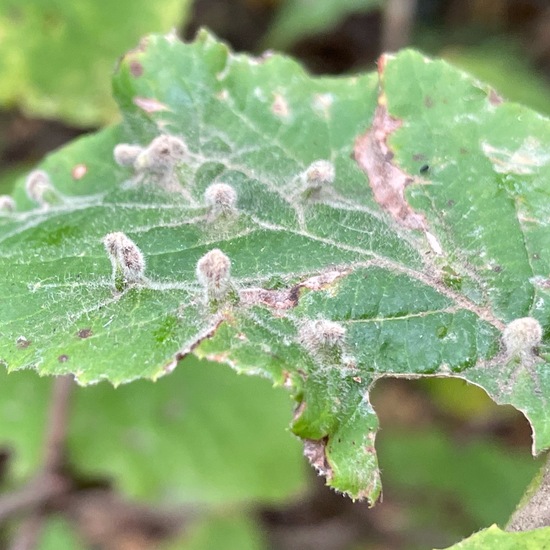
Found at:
<point>233,532</point>
<point>57,534</point>
<point>469,475</point>
<point>503,64</point>
<point>57,56</point>
<point>428,243</point>
<point>298,18</point>
<point>494,538</point>
<point>200,435</point>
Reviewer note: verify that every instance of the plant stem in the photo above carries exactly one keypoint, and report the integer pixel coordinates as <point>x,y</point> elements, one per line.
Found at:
<point>51,481</point>
<point>398,21</point>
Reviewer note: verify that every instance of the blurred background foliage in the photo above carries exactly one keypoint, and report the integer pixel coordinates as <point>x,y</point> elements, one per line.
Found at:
<point>452,461</point>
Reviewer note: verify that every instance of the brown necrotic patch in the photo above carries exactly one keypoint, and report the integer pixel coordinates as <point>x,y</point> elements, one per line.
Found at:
<point>63,358</point>
<point>84,333</point>
<point>79,171</point>
<point>387,181</point>
<point>288,298</point>
<point>315,452</point>
<point>22,342</point>
<point>136,68</point>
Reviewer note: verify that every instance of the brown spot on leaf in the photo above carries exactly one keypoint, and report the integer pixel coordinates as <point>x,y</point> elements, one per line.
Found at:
<point>149,105</point>
<point>428,102</point>
<point>84,333</point>
<point>315,452</point>
<point>386,180</point>
<point>542,283</point>
<point>136,68</point>
<point>22,342</point>
<point>280,106</point>
<point>288,298</point>
<point>63,358</point>
<point>79,171</point>
<point>494,97</point>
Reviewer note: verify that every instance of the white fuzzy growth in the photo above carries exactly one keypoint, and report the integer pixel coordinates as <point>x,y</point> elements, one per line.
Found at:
<point>126,154</point>
<point>220,198</point>
<point>521,337</point>
<point>7,204</point>
<point>319,173</point>
<point>213,272</point>
<point>161,155</point>
<point>125,255</point>
<point>322,334</point>
<point>38,185</point>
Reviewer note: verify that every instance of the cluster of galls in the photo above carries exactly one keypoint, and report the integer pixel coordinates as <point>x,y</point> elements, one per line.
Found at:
<point>213,269</point>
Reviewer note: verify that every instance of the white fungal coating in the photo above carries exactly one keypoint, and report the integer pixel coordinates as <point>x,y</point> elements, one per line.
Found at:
<point>213,273</point>
<point>125,256</point>
<point>521,337</point>
<point>321,334</point>
<point>38,185</point>
<point>7,204</point>
<point>220,198</point>
<point>161,155</point>
<point>319,173</point>
<point>126,154</point>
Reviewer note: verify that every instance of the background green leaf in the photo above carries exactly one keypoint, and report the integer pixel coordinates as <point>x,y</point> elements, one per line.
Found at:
<point>230,532</point>
<point>201,435</point>
<point>57,56</point>
<point>299,18</point>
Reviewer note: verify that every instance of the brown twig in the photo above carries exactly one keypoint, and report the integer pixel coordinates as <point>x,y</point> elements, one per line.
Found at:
<point>50,482</point>
<point>398,21</point>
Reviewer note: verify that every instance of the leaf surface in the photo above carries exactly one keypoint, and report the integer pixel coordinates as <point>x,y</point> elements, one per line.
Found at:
<point>493,537</point>
<point>430,240</point>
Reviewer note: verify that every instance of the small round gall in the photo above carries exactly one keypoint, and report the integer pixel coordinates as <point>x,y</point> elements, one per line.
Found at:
<point>220,198</point>
<point>7,204</point>
<point>319,173</point>
<point>322,334</point>
<point>38,186</point>
<point>126,258</point>
<point>126,154</point>
<point>161,155</point>
<point>213,273</point>
<point>521,337</point>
